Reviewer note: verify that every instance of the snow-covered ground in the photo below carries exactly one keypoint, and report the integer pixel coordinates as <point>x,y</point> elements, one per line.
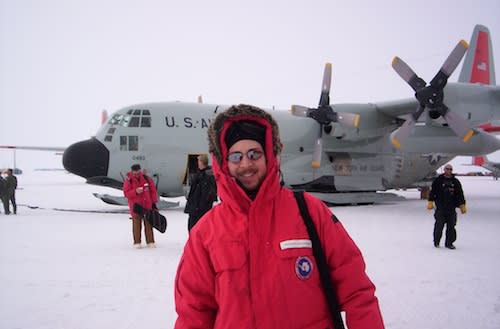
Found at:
<point>77,269</point>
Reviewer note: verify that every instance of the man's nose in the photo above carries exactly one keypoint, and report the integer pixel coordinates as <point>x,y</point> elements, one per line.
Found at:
<point>245,161</point>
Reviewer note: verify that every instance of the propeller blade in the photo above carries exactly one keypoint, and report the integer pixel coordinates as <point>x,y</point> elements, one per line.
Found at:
<point>401,134</point>
<point>451,63</point>
<point>300,111</point>
<point>318,149</point>
<point>324,100</point>
<point>348,119</point>
<point>459,125</point>
<point>455,57</point>
<point>407,74</point>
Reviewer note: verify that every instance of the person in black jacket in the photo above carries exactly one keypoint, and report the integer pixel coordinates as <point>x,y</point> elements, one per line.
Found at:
<point>203,192</point>
<point>11,186</point>
<point>446,192</point>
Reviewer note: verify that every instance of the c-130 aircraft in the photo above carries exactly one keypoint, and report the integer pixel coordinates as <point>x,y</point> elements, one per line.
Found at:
<point>343,153</point>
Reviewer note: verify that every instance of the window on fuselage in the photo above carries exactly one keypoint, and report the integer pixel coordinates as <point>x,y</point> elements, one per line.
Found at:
<point>133,143</point>
<point>129,143</point>
<point>123,143</point>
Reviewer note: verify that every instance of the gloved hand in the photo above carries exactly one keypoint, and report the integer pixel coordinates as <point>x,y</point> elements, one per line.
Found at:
<point>430,205</point>
<point>463,208</point>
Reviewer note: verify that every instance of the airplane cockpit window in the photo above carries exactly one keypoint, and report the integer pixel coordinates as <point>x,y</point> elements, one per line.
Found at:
<point>125,121</point>
<point>133,118</point>
<point>115,120</point>
<point>134,121</point>
<point>146,121</point>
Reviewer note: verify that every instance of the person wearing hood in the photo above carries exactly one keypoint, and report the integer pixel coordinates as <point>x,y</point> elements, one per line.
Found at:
<point>248,263</point>
<point>202,193</point>
<point>142,196</point>
<point>447,193</point>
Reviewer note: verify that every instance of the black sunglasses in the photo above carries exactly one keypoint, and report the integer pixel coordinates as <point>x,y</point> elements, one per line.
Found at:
<point>252,155</point>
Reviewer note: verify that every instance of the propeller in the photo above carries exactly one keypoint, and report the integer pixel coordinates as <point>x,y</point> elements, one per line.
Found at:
<point>432,96</point>
<point>325,115</point>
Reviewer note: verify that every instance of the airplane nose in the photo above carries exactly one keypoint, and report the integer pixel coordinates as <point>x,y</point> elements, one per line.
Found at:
<point>89,158</point>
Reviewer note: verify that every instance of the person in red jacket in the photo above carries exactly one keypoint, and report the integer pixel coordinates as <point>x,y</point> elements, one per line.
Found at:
<point>248,263</point>
<point>142,196</point>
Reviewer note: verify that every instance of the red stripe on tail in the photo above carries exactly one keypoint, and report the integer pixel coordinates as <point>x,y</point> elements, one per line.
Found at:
<point>481,63</point>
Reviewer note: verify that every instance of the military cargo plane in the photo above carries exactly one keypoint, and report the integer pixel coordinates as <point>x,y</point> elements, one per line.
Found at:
<point>343,153</point>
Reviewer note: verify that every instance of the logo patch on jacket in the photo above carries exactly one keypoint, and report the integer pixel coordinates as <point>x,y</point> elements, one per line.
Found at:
<point>303,267</point>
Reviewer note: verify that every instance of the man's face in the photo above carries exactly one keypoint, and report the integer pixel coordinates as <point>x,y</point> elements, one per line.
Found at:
<point>448,170</point>
<point>136,173</point>
<point>250,173</point>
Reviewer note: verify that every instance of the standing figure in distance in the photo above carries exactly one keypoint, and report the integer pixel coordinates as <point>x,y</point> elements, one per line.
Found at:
<point>142,196</point>
<point>11,182</point>
<point>202,193</point>
<point>248,262</point>
<point>446,192</point>
<point>3,194</point>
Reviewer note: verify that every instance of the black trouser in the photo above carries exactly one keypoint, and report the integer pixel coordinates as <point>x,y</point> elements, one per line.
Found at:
<point>5,201</point>
<point>13,201</point>
<point>450,219</point>
<point>193,219</point>
<point>195,216</point>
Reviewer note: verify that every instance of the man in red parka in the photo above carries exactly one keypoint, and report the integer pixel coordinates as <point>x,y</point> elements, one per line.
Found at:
<point>248,263</point>
<point>142,196</point>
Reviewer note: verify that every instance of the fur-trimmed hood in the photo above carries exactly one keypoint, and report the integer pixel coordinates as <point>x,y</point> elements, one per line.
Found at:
<point>218,128</point>
<point>227,187</point>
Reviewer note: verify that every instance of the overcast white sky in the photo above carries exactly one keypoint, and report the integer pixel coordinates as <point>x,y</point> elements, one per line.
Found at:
<point>62,62</point>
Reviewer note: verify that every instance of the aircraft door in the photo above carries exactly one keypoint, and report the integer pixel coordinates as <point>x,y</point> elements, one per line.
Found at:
<point>191,169</point>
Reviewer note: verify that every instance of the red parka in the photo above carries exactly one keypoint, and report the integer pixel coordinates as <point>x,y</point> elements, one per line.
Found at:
<point>146,198</point>
<point>242,266</point>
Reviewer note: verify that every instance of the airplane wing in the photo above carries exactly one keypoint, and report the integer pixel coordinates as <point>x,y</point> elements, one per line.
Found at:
<point>397,108</point>
<point>33,148</point>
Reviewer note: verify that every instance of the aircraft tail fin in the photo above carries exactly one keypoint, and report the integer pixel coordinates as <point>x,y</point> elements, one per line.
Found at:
<point>479,160</point>
<point>104,117</point>
<point>478,65</point>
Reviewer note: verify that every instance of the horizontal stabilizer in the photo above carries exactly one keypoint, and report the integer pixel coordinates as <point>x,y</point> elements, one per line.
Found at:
<point>122,201</point>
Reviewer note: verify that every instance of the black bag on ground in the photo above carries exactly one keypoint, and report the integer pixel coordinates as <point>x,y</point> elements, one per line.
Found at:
<point>157,220</point>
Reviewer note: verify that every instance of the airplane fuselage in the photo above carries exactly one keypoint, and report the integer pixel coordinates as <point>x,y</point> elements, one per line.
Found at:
<point>163,136</point>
